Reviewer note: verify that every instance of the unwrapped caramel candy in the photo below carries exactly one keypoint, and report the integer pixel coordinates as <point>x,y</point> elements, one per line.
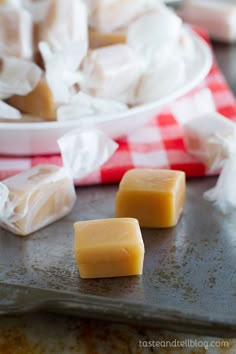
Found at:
<point>35,198</point>
<point>39,102</point>
<point>155,197</point>
<point>109,248</point>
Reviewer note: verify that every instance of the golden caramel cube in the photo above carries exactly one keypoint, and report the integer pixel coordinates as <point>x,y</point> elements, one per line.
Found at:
<point>155,197</point>
<point>109,248</point>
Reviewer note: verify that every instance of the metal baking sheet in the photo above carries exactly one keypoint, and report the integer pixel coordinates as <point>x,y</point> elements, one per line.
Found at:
<point>189,271</point>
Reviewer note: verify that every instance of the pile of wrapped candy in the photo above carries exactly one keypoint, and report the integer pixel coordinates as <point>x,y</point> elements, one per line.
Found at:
<point>69,59</point>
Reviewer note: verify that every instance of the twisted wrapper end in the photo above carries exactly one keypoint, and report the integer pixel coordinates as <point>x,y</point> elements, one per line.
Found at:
<point>6,209</point>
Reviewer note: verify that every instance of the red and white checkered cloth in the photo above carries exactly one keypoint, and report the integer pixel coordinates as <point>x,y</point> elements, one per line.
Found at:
<point>159,144</point>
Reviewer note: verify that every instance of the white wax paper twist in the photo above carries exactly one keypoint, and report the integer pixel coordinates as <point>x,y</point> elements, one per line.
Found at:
<point>83,105</point>
<point>5,207</point>
<point>211,139</point>
<point>62,68</point>
<point>155,39</point>
<point>155,35</point>
<point>223,195</point>
<point>84,150</point>
<point>66,22</point>
<point>63,46</point>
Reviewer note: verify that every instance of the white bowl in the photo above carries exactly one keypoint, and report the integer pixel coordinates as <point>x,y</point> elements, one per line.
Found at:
<point>41,137</point>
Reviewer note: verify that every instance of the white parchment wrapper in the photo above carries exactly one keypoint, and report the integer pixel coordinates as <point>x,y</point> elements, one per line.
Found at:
<point>83,105</point>
<point>111,73</point>
<point>223,195</point>
<point>8,112</point>
<point>160,80</point>
<point>36,198</point>
<point>209,139</point>
<point>66,22</point>
<point>85,150</point>
<point>41,195</point>
<point>212,140</point>
<point>6,208</point>
<point>110,15</point>
<point>62,68</point>
<point>16,32</point>
<point>154,36</point>
<point>218,17</point>
<point>64,44</point>
<point>37,9</point>
<point>17,76</point>
<point>155,39</point>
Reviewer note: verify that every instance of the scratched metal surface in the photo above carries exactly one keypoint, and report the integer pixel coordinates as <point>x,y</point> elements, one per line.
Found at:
<point>189,271</point>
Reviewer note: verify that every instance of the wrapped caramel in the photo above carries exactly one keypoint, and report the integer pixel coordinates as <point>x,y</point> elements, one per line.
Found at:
<point>111,73</point>
<point>64,23</point>
<point>154,38</point>
<point>82,106</point>
<point>17,76</point>
<point>108,16</point>
<point>211,139</point>
<point>16,32</point>
<point>38,197</point>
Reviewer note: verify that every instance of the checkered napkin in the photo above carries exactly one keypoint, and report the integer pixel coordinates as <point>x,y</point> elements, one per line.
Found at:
<point>159,144</point>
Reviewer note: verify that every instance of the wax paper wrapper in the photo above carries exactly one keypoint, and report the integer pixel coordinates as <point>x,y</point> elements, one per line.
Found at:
<point>211,138</point>
<point>37,9</point>
<point>84,106</point>
<point>17,77</point>
<point>110,15</point>
<point>155,35</point>
<point>38,197</point>
<point>8,112</point>
<point>63,46</point>
<point>218,17</point>
<point>16,32</point>
<point>111,73</point>
<point>160,80</point>
<point>62,69</point>
<point>155,39</point>
<point>66,22</point>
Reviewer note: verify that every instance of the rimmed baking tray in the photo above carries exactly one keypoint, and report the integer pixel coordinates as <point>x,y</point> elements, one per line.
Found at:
<point>189,280</point>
